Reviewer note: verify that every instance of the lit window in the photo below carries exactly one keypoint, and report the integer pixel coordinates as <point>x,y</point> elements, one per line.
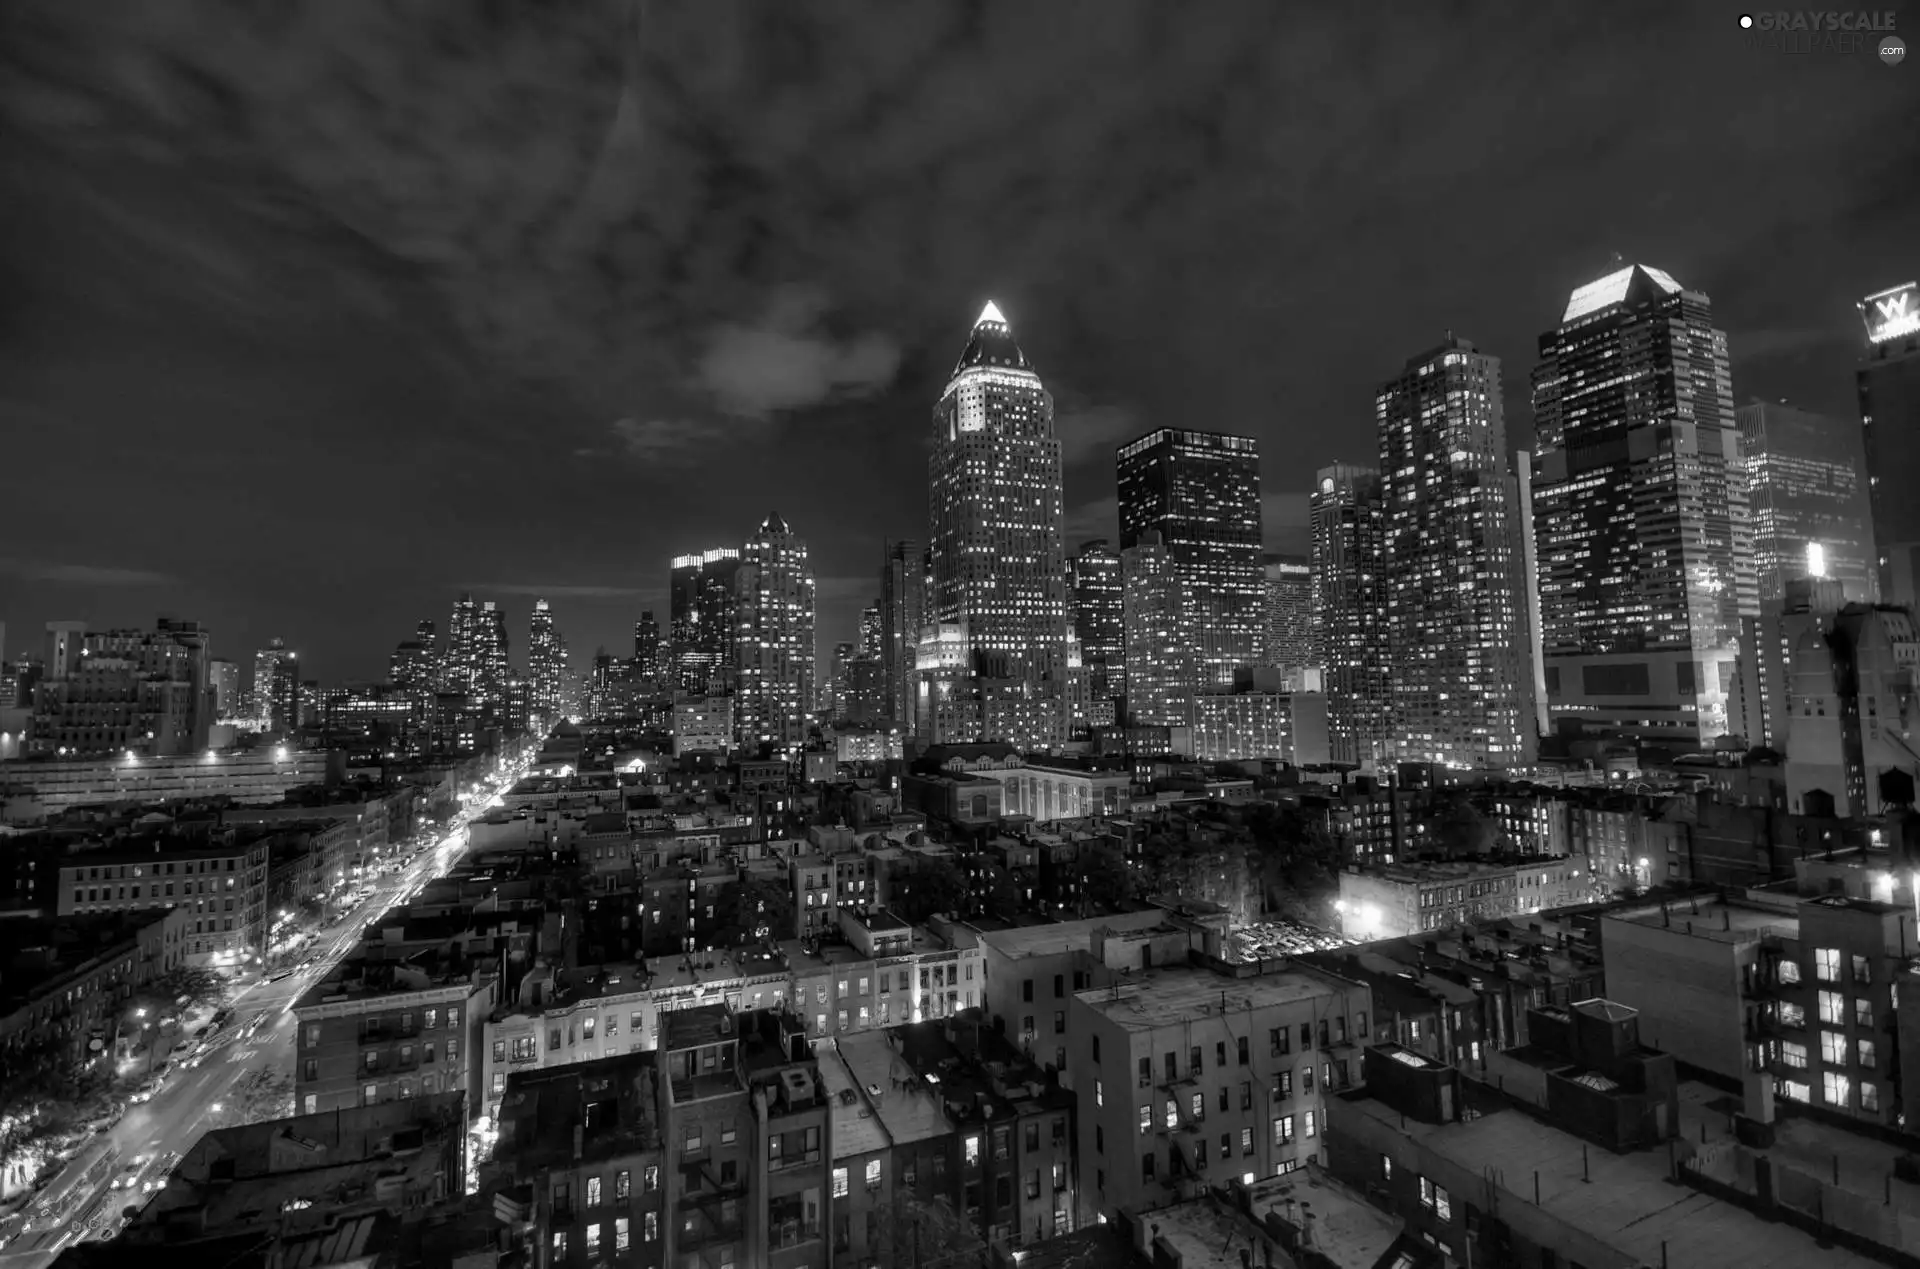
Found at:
<point>1826,964</point>
<point>839,1183</point>
<point>1837,1089</point>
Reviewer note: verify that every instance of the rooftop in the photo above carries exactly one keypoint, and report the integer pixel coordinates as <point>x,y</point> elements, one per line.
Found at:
<point>1623,1200</point>
<point>857,1130</point>
<point>909,1109</point>
<point>1347,1229</point>
<point>993,1082</point>
<point>1181,993</point>
<point>1061,937</point>
<point>1716,919</point>
<point>365,977</point>
<point>612,1102</point>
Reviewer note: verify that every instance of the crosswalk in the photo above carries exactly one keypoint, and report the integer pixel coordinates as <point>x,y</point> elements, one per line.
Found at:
<point>240,1054</point>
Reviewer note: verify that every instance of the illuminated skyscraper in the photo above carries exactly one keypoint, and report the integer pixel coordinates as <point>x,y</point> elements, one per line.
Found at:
<point>1099,618</point>
<point>903,615</point>
<point>1350,611</point>
<point>276,687</point>
<point>1455,645</point>
<point>872,638</point>
<point>460,667</point>
<point>1200,491</point>
<point>492,666</point>
<point>1889,386</point>
<point>1289,611</point>
<point>1806,477</point>
<point>1640,512</point>
<point>1161,667</point>
<point>546,662</point>
<point>701,617</point>
<point>994,657</point>
<point>646,648</point>
<point>773,640</point>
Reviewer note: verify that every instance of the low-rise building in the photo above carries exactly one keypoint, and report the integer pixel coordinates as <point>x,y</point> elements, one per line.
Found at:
<point>1394,900</point>
<point>220,883</point>
<point>32,790</point>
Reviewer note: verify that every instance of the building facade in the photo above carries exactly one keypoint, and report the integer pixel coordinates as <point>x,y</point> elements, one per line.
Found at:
<point>1162,670</point>
<point>1289,592</point>
<point>1099,621</point>
<point>1454,621</point>
<point>1349,609</point>
<point>700,621</point>
<point>1889,388</point>
<point>546,661</point>
<point>1200,491</point>
<point>773,642</point>
<point>996,565</point>
<point>221,888</point>
<point>1641,513</point>
<point>903,614</point>
<point>1806,475</point>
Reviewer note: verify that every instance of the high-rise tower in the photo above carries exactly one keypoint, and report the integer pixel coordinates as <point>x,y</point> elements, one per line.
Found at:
<point>1455,645</point>
<point>1289,611</point>
<point>546,661</point>
<point>1889,387</point>
<point>1161,667</point>
<point>903,615</point>
<point>1640,512</point>
<point>1806,480</point>
<point>1200,491</point>
<point>996,648</point>
<point>276,687</point>
<point>701,617</point>
<point>493,667</point>
<point>1349,609</point>
<point>460,667</point>
<point>773,640</point>
<point>646,648</point>
<point>1099,618</point>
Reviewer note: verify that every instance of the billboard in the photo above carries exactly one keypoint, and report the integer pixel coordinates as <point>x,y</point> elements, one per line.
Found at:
<point>1892,313</point>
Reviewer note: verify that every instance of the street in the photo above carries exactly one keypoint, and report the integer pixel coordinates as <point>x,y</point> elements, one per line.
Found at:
<point>257,1038</point>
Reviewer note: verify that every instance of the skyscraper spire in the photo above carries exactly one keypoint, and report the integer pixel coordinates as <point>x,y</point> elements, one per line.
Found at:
<point>991,313</point>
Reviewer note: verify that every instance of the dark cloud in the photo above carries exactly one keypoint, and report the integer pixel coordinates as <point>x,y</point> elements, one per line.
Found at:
<point>339,275</point>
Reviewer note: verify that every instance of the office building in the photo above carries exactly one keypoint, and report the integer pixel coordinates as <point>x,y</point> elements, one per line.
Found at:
<point>1454,625</point>
<point>1889,388</point>
<point>1161,668</point>
<point>1243,726</point>
<point>1289,611</point>
<point>224,678</point>
<point>1853,735</point>
<point>646,649</point>
<point>1641,513</point>
<point>1349,609</point>
<point>773,646</point>
<point>871,637</point>
<point>276,688</point>
<point>1811,513</point>
<point>1763,708</point>
<point>546,662</point>
<point>903,614</point>
<point>997,619</point>
<point>701,619</point>
<point>414,665</point>
<point>1200,491</point>
<point>1094,581</point>
<point>460,667</point>
<point>125,692</point>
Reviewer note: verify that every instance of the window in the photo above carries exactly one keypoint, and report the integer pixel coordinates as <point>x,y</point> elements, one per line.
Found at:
<point>593,1240</point>
<point>433,1019</point>
<point>650,1178</point>
<point>1059,1175</point>
<point>621,1236</point>
<point>1245,1056</point>
<point>1059,1022</point>
<point>1220,1053</point>
<point>1866,1054</point>
<point>1826,964</point>
<point>1026,991</point>
<point>1096,1050</point>
<point>1833,1048</point>
<point>1001,1142</point>
<point>1146,1165</point>
<point>873,1174</point>
<point>553,1039</point>
<point>499,1050</point>
<point>694,1140</point>
<point>1146,1072</point>
<point>727,1133</point>
<point>560,1244</point>
<point>1194,1064</point>
<point>1862,971</point>
<point>593,1191</point>
<point>1283,1085</point>
<point>1026,1026</point>
<point>1797,1090</point>
<point>1225,1102</point>
<point>613,1025</point>
<point>1794,1055</point>
<point>1833,1008</point>
<point>1246,1141</point>
<point>1283,1130</point>
<point>1869,1096</point>
<point>1246,1095</point>
<point>1789,972</point>
<point>840,1183</point>
<point>973,1150</point>
<point>586,1027</point>
<point>1033,1135</point>
<point>1099,1093</point>
<point>1198,1105</point>
<point>1033,1184</point>
<point>1146,1120</point>
<point>1863,1013</point>
<point>1836,1088</point>
<point>1280,1042</point>
<point>1360,1024</point>
<point>650,1227</point>
<point>622,1186</point>
<point>1792,1016</point>
<point>1059,986</point>
<point>1309,1120</point>
<point>1386,1167</point>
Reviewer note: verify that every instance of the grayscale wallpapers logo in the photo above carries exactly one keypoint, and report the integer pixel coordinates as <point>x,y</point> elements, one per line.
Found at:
<point>1804,31</point>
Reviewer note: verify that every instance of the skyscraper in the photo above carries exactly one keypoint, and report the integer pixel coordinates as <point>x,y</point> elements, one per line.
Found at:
<point>872,638</point>
<point>839,692</point>
<point>646,648</point>
<point>1200,491</point>
<point>460,666</point>
<point>997,639</point>
<point>546,661</point>
<point>1099,618</point>
<point>1349,609</point>
<point>492,664</point>
<point>1805,475</point>
<point>773,640</point>
<point>1289,611</point>
<point>1640,512</point>
<point>903,615</point>
<point>1162,673</point>
<point>1454,626</point>
<point>701,617</point>
<point>1889,387</point>
<point>276,687</point>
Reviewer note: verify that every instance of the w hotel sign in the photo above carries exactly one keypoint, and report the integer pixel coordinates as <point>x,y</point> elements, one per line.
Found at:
<point>1892,314</point>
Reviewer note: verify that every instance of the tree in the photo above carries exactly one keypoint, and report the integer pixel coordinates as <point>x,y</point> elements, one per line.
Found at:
<point>926,886</point>
<point>751,909</point>
<point>1105,881</point>
<point>1000,893</point>
<point>928,1232</point>
<point>162,997</point>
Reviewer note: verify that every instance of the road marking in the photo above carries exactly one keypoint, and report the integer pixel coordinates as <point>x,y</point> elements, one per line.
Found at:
<point>242,1055</point>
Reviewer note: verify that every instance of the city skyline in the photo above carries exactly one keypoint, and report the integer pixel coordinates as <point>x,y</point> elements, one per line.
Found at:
<point>790,340</point>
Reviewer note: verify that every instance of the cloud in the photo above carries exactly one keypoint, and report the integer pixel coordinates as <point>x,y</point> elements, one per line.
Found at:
<point>787,361</point>
<point>486,590</point>
<point>1092,433</point>
<point>662,440</point>
<point>83,574</point>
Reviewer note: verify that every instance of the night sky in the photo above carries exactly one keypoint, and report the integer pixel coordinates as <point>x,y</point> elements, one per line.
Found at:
<point>313,314</point>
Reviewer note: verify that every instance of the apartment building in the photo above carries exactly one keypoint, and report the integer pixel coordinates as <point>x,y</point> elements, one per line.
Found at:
<point>377,1030</point>
<point>587,1142</point>
<point>1193,1073</point>
<point>220,885</point>
<point>837,990</point>
<point>1391,901</point>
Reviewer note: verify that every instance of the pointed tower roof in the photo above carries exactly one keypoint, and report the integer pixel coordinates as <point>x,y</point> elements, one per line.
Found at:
<point>774,526</point>
<point>992,344</point>
<point>1635,281</point>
